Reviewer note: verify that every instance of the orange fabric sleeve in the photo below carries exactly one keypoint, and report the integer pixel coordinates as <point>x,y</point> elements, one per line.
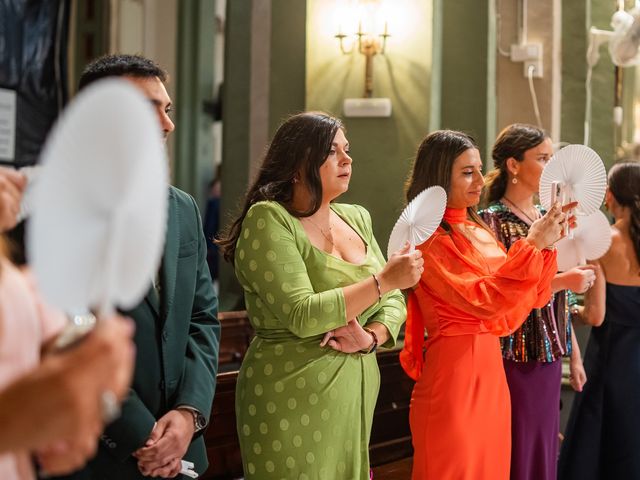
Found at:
<point>411,355</point>
<point>467,298</point>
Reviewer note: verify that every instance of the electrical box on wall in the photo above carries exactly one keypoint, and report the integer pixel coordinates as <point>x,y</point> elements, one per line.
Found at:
<point>531,56</point>
<point>367,107</point>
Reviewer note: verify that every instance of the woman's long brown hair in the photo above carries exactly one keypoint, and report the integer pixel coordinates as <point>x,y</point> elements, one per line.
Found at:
<point>434,163</point>
<point>300,146</point>
<point>512,142</point>
<point>624,184</point>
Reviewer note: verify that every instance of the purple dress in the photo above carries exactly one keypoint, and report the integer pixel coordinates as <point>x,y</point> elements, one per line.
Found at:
<point>532,358</point>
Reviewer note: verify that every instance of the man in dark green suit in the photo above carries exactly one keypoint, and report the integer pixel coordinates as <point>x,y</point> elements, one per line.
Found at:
<point>177,331</point>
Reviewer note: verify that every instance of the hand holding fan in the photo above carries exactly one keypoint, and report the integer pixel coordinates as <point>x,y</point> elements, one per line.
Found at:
<point>590,240</point>
<point>581,176</point>
<point>100,203</point>
<point>418,220</point>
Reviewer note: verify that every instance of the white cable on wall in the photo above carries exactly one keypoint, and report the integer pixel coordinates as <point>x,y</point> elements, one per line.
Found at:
<point>534,97</point>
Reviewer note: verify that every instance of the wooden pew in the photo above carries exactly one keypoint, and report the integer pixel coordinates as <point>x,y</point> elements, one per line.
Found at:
<point>235,338</point>
<point>221,439</point>
<point>390,448</point>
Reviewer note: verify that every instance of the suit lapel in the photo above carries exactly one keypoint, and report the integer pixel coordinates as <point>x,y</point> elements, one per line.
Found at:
<point>170,257</point>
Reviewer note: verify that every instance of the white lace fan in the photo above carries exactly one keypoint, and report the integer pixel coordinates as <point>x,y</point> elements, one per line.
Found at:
<point>100,203</point>
<point>590,240</point>
<point>419,219</point>
<point>581,175</point>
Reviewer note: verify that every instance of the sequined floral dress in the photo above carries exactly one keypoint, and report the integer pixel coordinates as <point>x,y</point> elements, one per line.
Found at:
<point>532,360</point>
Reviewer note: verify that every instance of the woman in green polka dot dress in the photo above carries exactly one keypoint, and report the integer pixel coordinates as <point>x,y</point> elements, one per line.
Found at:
<point>320,298</point>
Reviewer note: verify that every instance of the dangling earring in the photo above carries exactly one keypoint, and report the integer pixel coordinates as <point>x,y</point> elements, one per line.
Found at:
<point>514,180</point>
<point>294,180</point>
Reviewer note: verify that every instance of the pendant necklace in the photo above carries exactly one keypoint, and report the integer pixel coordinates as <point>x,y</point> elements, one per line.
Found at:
<point>519,209</point>
<point>322,231</point>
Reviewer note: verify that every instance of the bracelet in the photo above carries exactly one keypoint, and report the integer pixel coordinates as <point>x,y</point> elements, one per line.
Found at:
<point>374,346</point>
<point>375,279</point>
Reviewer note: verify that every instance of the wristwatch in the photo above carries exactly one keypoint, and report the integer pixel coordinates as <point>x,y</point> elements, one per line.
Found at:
<point>199,421</point>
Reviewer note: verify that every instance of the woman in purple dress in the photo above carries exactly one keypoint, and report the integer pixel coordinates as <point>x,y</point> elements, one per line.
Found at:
<point>533,354</point>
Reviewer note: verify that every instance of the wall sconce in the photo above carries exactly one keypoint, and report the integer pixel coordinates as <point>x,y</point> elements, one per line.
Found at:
<point>368,43</point>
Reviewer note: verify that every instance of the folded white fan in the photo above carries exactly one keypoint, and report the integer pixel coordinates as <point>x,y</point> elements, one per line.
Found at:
<point>100,203</point>
<point>419,219</point>
<point>590,240</point>
<point>581,175</point>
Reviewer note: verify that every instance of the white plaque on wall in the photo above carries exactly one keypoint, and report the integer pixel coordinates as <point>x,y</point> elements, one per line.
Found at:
<point>7,124</point>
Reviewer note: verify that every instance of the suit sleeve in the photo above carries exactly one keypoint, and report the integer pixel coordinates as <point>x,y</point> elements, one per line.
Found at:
<point>198,381</point>
<point>129,432</point>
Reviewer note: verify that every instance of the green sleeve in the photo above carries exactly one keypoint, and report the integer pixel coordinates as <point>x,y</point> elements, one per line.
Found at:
<point>131,430</point>
<point>392,314</point>
<point>391,311</point>
<point>198,381</point>
<point>269,263</point>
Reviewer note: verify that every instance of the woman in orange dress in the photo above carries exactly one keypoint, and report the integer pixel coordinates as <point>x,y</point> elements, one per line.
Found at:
<point>470,293</point>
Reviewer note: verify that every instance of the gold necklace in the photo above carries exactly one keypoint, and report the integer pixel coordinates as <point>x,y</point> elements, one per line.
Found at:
<point>520,210</point>
<point>321,230</point>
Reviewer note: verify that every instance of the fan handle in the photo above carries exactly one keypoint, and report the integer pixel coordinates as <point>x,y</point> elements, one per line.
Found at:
<point>412,239</point>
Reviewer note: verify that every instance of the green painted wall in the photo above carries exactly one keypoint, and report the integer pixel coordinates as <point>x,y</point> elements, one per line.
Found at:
<point>193,166</point>
<point>468,70</point>
<point>288,68</point>
<point>235,137</point>
<point>574,51</point>
<point>576,21</point>
<point>382,148</point>
<point>286,95</point>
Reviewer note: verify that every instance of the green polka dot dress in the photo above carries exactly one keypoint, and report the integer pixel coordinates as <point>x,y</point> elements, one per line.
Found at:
<point>305,412</point>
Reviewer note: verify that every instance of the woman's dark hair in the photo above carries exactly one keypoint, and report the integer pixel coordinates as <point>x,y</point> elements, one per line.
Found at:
<point>624,185</point>
<point>512,142</point>
<point>300,146</point>
<point>434,163</point>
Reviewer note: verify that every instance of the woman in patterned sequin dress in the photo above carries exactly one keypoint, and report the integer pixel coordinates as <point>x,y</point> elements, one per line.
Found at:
<point>533,354</point>
<point>320,299</point>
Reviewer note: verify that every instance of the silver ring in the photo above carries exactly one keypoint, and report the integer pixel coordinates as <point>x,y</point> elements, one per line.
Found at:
<point>109,406</point>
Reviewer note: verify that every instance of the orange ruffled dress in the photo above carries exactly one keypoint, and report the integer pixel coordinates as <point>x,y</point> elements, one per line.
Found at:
<point>460,408</point>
